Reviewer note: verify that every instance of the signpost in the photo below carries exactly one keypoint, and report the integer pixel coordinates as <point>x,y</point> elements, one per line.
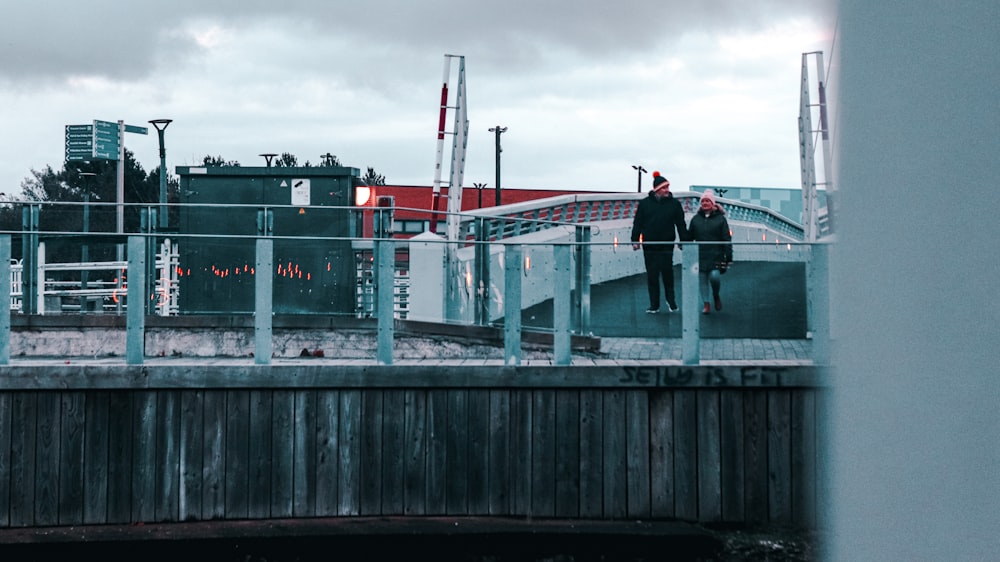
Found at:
<point>79,142</point>
<point>106,140</point>
<point>101,140</point>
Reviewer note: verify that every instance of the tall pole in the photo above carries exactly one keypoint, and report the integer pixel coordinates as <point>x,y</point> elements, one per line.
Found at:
<point>498,130</point>
<point>161,125</point>
<point>479,188</point>
<point>639,171</point>
<point>84,248</point>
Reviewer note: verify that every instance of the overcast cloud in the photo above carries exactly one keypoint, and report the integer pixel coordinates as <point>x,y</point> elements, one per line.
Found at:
<point>706,92</point>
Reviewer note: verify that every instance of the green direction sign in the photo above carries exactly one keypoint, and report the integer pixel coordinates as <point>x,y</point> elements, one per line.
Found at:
<point>105,131</point>
<point>106,141</point>
<point>99,141</point>
<point>79,142</point>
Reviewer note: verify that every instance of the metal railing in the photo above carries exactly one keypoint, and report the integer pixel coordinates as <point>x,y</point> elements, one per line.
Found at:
<point>527,262</point>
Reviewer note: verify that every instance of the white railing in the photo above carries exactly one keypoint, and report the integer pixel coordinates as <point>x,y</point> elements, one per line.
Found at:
<point>110,294</point>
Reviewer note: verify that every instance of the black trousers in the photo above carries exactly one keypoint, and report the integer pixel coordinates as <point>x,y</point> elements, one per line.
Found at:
<point>660,265</point>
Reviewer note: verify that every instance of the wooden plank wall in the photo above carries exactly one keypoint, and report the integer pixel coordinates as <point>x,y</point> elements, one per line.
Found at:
<point>78,457</point>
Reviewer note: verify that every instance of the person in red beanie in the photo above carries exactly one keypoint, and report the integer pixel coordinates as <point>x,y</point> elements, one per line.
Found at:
<point>709,224</point>
<point>657,218</point>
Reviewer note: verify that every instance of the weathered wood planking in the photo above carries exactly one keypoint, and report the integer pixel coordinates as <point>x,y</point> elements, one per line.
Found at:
<point>74,457</point>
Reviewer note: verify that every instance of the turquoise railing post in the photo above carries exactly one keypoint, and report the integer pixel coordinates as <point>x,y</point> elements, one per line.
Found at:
<point>384,305</point>
<point>513,270</point>
<point>818,285</point>
<point>561,310</point>
<point>690,305</point>
<point>581,293</point>
<point>147,225</point>
<point>29,259</point>
<point>481,275</point>
<point>135,319</point>
<point>4,299</point>
<point>263,311</point>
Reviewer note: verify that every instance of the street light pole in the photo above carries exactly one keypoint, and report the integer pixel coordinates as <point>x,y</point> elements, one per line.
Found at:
<point>639,171</point>
<point>498,130</point>
<point>161,125</point>
<point>84,248</point>
<point>479,188</point>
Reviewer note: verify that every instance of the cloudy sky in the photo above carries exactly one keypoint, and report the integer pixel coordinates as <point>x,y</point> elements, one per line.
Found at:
<point>706,92</point>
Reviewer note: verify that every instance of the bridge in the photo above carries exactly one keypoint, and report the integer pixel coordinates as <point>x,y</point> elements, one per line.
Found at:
<point>508,376</point>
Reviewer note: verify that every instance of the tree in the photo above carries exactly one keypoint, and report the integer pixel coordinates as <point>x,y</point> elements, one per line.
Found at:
<point>60,192</point>
<point>216,161</point>
<point>330,160</point>
<point>286,160</point>
<point>371,178</point>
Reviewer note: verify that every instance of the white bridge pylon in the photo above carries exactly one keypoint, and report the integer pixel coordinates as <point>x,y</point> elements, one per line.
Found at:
<point>460,135</point>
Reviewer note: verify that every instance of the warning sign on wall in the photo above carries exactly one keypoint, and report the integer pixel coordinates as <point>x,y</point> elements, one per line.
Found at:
<point>300,192</point>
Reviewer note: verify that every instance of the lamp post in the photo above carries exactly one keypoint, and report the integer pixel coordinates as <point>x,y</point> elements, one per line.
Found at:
<point>639,171</point>
<point>479,188</point>
<point>498,130</point>
<point>84,248</point>
<point>268,156</point>
<point>161,125</point>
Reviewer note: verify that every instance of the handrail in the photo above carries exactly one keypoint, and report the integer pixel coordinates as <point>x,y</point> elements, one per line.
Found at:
<point>541,214</point>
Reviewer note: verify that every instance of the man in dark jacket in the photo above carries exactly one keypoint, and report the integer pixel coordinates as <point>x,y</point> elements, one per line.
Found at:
<point>653,229</point>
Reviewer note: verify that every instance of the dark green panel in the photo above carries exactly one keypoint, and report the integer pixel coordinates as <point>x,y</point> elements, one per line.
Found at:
<point>310,277</point>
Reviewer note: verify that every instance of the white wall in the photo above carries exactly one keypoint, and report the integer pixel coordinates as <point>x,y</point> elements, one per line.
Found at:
<point>916,424</point>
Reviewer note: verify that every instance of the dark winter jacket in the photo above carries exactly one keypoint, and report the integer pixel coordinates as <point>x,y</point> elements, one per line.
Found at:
<point>656,220</point>
<point>713,228</point>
